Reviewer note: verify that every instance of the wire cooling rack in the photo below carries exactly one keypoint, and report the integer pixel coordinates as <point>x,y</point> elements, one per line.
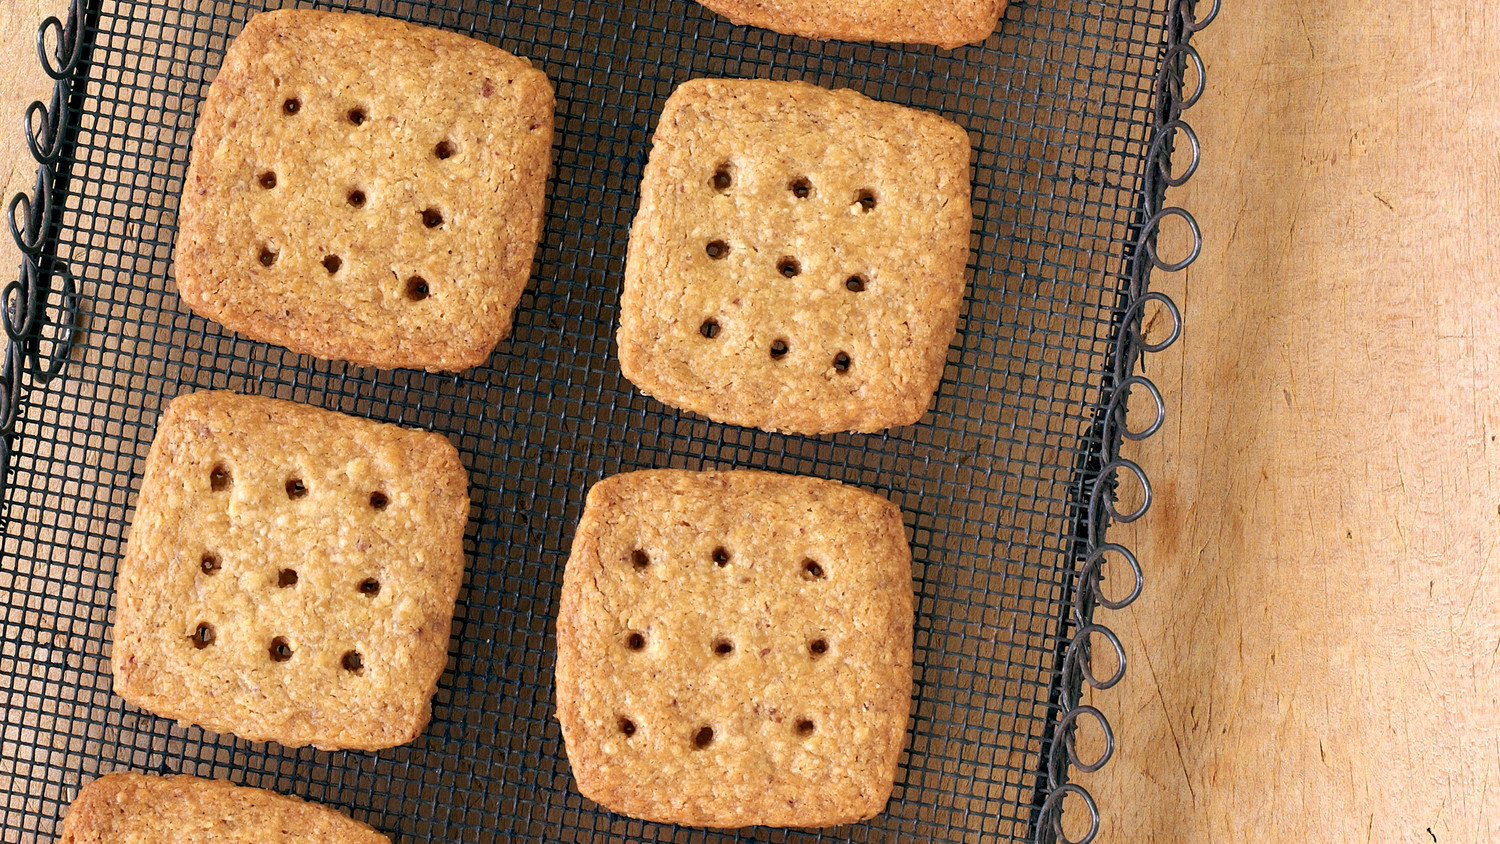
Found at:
<point>1008,484</point>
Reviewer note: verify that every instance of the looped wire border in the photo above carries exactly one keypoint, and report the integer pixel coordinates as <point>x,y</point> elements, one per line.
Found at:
<point>1092,577</point>
<point>1114,415</point>
<point>1054,766</point>
<point>41,277</point>
<point>1130,345</point>
<point>1054,805</point>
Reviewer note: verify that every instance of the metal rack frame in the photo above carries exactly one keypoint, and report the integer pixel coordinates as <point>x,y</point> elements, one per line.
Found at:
<point>42,325</point>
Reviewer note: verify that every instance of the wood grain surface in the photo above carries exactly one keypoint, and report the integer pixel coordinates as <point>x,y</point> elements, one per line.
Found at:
<point>21,82</point>
<point>1317,653</point>
<point>1315,656</point>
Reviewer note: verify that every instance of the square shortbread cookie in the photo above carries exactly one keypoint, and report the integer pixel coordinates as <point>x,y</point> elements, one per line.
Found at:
<point>365,189</point>
<point>138,809</point>
<point>734,648</point>
<point>291,573</point>
<point>797,263</point>
<point>946,23</point>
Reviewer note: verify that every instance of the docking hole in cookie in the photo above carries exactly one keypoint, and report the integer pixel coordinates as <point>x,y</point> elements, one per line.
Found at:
<point>203,636</point>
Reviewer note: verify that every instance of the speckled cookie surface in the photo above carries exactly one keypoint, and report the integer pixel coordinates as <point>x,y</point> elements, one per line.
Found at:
<point>797,263</point>
<point>365,189</point>
<point>290,573</point>
<point>946,23</point>
<point>734,648</point>
<point>140,809</point>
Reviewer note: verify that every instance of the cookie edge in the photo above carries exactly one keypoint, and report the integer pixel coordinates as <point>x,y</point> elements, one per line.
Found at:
<point>80,824</point>
<point>950,32</point>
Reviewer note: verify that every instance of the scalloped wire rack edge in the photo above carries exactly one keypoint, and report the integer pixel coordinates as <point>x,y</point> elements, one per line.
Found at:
<point>1130,348</point>
<point>34,220</point>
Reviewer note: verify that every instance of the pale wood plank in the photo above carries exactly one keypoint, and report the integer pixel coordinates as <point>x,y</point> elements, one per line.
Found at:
<point>22,82</point>
<point>1315,656</point>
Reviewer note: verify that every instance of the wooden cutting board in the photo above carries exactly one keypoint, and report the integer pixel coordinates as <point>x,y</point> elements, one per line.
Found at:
<point>21,82</point>
<point>1317,653</point>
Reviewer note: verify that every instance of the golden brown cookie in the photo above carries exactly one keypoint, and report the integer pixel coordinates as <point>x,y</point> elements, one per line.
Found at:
<point>129,808</point>
<point>290,574</point>
<point>946,23</point>
<point>365,189</point>
<point>797,263</point>
<point>734,648</point>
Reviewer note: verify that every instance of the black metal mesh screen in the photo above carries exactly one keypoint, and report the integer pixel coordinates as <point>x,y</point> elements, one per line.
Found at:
<point>1059,104</point>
